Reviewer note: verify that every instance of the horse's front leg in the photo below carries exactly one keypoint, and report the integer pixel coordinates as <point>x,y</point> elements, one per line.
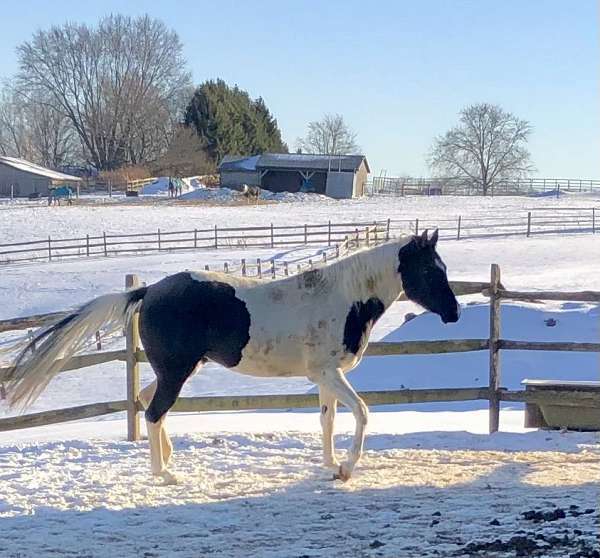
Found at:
<point>335,382</point>
<point>328,404</point>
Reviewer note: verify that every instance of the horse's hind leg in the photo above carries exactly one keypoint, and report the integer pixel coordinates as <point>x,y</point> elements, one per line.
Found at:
<point>167,391</point>
<point>145,398</point>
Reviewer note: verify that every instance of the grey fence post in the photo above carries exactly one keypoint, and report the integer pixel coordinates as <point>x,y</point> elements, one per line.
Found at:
<point>132,343</point>
<point>494,381</point>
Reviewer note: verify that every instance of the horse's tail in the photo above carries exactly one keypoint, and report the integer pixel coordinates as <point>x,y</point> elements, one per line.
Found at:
<point>44,357</point>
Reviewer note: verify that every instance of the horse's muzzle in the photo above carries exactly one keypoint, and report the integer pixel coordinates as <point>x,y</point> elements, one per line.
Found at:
<point>452,316</point>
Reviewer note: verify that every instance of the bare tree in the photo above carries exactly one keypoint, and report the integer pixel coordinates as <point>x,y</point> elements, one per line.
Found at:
<point>487,146</point>
<point>32,129</point>
<point>328,136</point>
<point>14,138</point>
<point>108,80</point>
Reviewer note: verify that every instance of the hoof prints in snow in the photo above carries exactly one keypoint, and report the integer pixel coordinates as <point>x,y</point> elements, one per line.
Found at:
<point>267,496</point>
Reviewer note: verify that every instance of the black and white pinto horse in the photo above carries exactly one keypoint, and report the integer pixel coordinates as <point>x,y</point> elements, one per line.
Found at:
<point>315,324</point>
<point>250,192</point>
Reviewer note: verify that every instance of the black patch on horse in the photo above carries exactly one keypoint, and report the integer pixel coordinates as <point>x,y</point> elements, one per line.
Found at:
<point>310,279</point>
<point>183,322</point>
<point>360,316</point>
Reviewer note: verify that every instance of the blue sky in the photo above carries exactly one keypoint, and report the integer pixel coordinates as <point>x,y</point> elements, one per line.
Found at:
<point>398,71</point>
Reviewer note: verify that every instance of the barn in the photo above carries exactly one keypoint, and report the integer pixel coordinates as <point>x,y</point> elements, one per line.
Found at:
<point>337,176</point>
<point>21,178</point>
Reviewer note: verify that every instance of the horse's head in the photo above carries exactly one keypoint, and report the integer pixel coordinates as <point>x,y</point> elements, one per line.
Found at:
<point>424,277</point>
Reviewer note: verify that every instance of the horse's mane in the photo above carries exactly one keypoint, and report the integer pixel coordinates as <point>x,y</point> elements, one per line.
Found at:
<point>359,270</point>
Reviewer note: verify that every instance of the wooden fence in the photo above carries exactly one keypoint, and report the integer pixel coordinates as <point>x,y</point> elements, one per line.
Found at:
<point>431,186</point>
<point>133,355</point>
<point>530,222</point>
<point>213,238</point>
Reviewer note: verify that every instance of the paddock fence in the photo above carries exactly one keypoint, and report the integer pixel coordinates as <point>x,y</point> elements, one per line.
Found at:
<point>384,185</point>
<point>133,355</point>
<point>214,238</point>
<point>529,222</point>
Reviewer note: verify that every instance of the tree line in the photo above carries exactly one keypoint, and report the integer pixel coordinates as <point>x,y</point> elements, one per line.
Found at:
<point>118,94</point>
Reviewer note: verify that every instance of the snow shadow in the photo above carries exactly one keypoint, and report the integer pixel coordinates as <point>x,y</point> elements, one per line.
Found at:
<point>311,518</point>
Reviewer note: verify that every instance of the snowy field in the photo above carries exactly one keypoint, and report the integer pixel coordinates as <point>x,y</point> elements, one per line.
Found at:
<point>432,481</point>
<point>31,221</point>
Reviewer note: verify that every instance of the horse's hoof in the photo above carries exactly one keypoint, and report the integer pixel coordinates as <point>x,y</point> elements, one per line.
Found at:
<point>169,478</point>
<point>343,473</point>
<point>332,466</point>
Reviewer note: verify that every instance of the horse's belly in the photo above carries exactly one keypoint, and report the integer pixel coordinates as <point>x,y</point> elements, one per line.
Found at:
<point>274,358</point>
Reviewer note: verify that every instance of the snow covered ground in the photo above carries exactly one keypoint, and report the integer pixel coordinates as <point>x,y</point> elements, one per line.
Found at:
<point>32,221</point>
<point>432,480</point>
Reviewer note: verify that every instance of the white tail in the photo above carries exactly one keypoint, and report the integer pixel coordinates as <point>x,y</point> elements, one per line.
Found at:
<point>44,357</point>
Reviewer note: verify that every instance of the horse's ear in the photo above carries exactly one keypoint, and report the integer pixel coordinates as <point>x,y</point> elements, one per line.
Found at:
<point>434,238</point>
<point>423,238</point>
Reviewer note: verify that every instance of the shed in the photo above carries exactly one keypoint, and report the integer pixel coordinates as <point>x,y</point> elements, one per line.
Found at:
<point>337,176</point>
<point>22,178</point>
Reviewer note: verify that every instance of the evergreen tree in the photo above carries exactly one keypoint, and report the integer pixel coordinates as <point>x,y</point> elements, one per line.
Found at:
<point>227,120</point>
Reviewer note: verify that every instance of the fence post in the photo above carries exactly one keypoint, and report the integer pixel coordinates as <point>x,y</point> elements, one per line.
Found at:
<point>259,267</point>
<point>286,268</point>
<point>132,343</point>
<point>458,228</point>
<point>273,274</point>
<point>494,382</point>
<point>49,249</point>
<point>158,236</point>
<point>528,223</point>
<point>305,234</point>
<point>87,245</point>
<point>98,341</point>
<point>329,233</point>
<point>387,230</point>
<point>105,250</point>
<point>195,238</point>
<point>367,237</point>
<point>244,267</point>
<point>272,237</point>
<point>216,238</point>
<point>593,220</point>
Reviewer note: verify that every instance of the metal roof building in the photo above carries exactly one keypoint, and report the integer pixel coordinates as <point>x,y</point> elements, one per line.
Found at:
<point>22,178</point>
<point>337,176</point>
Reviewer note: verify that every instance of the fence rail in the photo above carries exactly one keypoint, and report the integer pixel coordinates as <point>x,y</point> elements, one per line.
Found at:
<point>407,186</point>
<point>133,355</point>
<point>269,236</point>
<point>529,223</point>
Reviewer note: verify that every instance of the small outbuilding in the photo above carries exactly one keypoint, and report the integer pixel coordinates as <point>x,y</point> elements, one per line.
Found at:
<point>21,178</point>
<point>337,176</point>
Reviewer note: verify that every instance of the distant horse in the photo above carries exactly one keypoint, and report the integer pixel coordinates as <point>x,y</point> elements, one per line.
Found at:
<point>315,324</point>
<point>250,192</point>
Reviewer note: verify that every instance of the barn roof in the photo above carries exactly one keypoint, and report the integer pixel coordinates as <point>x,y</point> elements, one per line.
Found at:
<point>303,161</point>
<point>238,163</point>
<point>32,168</point>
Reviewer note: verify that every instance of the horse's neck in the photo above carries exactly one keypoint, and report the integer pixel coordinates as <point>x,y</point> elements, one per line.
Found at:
<point>371,273</point>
